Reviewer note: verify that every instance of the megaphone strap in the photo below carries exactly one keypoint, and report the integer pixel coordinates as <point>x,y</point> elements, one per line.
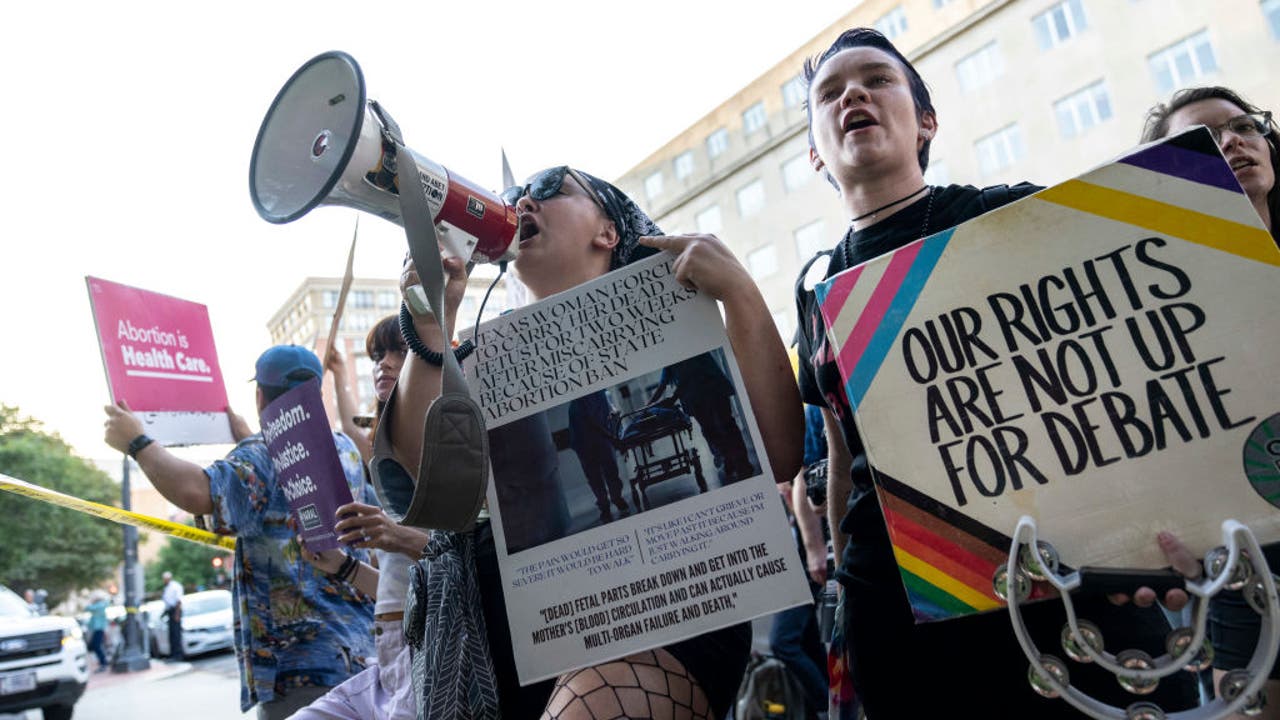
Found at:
<point>454,471</point>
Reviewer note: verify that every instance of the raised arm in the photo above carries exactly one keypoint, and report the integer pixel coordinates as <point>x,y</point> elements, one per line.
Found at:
<point>705,263</point>
<point>345,396</point>
<point>181,482</point>
<point>419,381</point>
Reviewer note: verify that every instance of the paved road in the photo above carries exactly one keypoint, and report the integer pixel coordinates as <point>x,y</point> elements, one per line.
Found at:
<point>207,688</point>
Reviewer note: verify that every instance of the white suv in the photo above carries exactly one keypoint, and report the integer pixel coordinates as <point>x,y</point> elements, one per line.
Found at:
<point>43,660</point>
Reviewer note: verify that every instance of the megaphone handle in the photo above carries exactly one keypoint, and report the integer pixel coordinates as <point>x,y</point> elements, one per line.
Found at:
<point>416,298</point>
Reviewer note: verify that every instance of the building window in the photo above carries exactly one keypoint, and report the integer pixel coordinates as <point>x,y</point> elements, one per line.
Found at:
<point>653,185</point>
<point>684,164</point>
<point>939,4</point>
<point>1271,10</point>
<point>388,299</point>
<point>1182,63</point>
<point>893,23</point>
<point>810,239</point>
<point>979,68</point>
<point>708,221</point>
<point>763,261</point>
<point>1000,150</point>
<point>1082,110</point>
<point>362,298</point>
<point>754,118</point>
<point>1059,23</point>
<point>937,173</point>
<point>794,92</point>
<point>751,198</point>
<point>796,172</point>
<point>717,142</point>
<point>329,298</point>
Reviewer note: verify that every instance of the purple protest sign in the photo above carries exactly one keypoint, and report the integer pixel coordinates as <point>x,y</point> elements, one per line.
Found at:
<point>306,461</point>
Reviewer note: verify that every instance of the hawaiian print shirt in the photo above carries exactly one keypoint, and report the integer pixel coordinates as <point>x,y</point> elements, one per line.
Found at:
<point>294,625</point>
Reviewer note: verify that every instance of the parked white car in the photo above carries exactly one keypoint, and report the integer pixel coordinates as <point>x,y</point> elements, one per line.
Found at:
<point>206,623</point>
<point>43,660</point>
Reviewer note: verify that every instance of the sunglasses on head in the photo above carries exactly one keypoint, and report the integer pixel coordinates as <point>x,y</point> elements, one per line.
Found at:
<point>546,184</point>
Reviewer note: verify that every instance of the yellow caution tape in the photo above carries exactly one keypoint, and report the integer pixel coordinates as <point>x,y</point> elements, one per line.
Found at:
<point>115,514</point>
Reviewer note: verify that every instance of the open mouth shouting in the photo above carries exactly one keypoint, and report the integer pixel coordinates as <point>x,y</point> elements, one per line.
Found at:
<point>528,229</point>
<point>858,120</point>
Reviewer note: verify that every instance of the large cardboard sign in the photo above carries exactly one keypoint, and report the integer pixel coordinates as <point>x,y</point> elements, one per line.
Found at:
<point>160,358</point>
<point>305,457</point>
<point>632,501</point>
<point>1099,356</point>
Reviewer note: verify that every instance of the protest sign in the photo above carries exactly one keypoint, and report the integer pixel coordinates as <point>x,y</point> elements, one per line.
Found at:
<point>305,457</point>
<point>159,356</point>
<point>632,501</point>
<point>1098,356</point>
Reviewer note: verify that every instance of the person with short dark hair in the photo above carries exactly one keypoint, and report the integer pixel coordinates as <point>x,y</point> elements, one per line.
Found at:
<point>871,122</point>
<point>299,631</point>
<point>386,350</point>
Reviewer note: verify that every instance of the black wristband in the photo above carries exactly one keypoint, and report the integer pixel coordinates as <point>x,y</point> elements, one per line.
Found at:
<point>419,348</point>
<point>137,444</point>
<point>345,569</point>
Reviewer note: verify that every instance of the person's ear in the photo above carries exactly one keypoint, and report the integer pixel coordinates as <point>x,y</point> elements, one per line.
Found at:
<point>815,161</point>
<point>607,238</point>
<point>928,129</point>
<point>262,399</point>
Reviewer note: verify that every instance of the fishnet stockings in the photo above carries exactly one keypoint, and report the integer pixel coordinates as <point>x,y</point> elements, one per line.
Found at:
<point>645,685</point>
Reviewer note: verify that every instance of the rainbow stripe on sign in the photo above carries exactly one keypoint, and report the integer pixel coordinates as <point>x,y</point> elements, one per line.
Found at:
<point>868,305</point>
<point>946,558</point>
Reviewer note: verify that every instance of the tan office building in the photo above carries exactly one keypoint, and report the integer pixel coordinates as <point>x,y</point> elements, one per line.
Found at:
<point>1036,90</point>
<point>305,317</point>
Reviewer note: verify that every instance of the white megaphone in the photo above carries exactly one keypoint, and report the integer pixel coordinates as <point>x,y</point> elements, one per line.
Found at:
<point>324,143</point>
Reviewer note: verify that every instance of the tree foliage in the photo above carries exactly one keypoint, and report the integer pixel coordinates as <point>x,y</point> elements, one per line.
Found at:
<point>191,564</point>
<point>42,545</point>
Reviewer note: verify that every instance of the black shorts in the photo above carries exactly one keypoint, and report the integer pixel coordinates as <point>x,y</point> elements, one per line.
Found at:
<point>716,659</point>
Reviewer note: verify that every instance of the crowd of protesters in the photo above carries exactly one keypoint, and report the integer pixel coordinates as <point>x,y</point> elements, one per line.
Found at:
<point>319,635</point>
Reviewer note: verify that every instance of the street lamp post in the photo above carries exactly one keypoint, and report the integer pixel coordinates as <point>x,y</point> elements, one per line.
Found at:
<point>132,657</point>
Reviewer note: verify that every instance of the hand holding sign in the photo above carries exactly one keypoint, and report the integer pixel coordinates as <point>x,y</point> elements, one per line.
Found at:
<point>121,426</point>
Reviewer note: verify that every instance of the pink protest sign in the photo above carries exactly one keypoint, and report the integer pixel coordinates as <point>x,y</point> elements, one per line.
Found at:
<point>160,359</point>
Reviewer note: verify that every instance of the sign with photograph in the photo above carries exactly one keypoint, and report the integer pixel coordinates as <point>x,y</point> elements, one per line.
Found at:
<point>305,457</point>
<point>1099,356</point>
<point>632,502</point>
<point>160,359</point>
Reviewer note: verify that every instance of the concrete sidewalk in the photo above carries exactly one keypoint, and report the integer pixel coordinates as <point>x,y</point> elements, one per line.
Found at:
<point>177,691</point>
<point>206,689</point>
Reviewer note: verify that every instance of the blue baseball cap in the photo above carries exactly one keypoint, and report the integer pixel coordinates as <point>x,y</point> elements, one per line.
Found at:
<point>285,366</point>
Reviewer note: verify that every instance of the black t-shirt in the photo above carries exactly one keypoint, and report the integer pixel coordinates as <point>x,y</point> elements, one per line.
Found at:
<point>867,557</point>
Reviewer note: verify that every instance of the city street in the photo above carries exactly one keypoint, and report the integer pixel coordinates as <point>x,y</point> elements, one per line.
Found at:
<point>207,688</point>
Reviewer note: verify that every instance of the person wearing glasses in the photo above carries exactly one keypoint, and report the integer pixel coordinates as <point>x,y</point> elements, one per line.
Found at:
<point>1246,134</point>
<point>1247,137</point>
<point>574,227</point>
<point>871,123</point>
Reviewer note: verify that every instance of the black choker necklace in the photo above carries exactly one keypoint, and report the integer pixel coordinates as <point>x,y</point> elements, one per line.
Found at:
<point>847,240</point>
<point>886,206</point>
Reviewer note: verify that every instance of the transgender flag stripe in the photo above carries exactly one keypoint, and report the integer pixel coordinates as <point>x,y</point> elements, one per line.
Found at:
<point>877,327</point>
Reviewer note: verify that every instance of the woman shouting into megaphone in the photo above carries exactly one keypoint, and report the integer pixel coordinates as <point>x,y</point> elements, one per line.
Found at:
<point>574,227</point>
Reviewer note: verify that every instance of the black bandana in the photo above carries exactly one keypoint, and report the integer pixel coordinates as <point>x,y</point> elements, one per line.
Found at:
<point>631,222</point>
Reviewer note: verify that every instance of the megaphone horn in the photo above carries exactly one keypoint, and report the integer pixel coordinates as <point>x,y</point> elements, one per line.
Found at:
<point>323,142</point>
